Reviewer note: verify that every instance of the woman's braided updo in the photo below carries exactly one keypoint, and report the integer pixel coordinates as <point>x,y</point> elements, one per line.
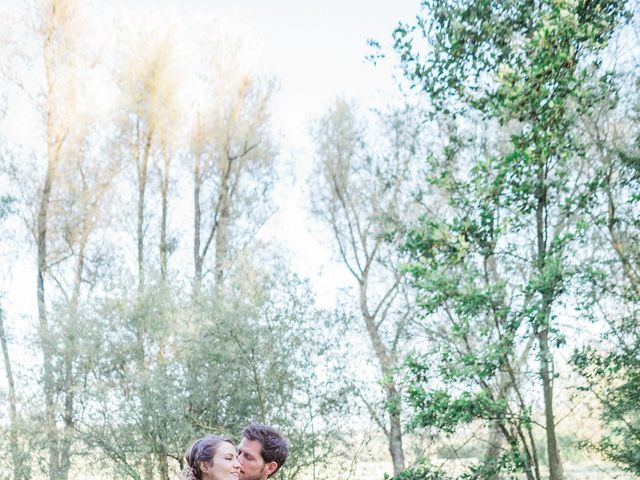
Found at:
<point>201,451</point>
<point>188,473</point>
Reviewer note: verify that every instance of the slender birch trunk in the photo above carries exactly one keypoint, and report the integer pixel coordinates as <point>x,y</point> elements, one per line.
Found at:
<point>19,468</point>
<point>542,334</point>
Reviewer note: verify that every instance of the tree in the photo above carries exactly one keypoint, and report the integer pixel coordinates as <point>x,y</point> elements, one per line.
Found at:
<point>56,39</point>
<point>136,417</point>
<point>149,109</point>
<point>253,358</point>
<point>21,471</point>
<point>56,134</point>
<point>231,156</point>
<point>611,291</point>
<point>526,64</point>
<point>472,291</point>
<point>20,468</point>
<point>62,201</point>
<point>360,193</point>
<point>274,343</point>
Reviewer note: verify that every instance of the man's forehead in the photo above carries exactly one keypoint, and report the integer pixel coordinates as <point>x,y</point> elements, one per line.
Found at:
<point>252,447</point>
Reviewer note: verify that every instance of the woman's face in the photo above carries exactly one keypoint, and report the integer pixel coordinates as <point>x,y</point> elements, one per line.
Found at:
<point>225,464</point>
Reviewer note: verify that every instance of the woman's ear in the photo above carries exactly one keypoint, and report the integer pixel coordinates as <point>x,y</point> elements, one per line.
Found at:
<point>204,467</point>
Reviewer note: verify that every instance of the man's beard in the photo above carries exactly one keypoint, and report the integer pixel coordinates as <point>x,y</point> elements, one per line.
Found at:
<point>243,476</point>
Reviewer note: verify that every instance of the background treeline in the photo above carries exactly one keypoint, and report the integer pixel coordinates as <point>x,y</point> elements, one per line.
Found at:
<point>136,182</point>
<point>489,223</point>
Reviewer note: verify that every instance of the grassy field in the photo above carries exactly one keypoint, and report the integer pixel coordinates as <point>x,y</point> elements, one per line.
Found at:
<point>373,470</point>
<point>372,462</point>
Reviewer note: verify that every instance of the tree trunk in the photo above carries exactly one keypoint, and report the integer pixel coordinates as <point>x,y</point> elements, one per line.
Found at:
<point>148,470</point>
<point>394,433</point>
<point>542,327</point>
<point>222,226</point>
<point>55,138</point>
<point>221,244</point>
<point>43,325</point>
<point>143,166</point>
<point>19,469</point>
<point>494,445</point>
<point>163,466</point>
<point>67,434</point>
<point>71,351</point>
<point>164,189</point>
<point>555,465</point>
<point>197,226</point>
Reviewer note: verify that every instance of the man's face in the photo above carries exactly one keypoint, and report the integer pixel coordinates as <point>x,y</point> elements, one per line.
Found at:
<point>252,465</point>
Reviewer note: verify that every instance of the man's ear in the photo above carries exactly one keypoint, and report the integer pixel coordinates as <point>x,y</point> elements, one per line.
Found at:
<point>271,467</point>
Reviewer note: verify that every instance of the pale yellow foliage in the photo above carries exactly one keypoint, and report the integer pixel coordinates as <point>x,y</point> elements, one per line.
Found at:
<point>149,79</point>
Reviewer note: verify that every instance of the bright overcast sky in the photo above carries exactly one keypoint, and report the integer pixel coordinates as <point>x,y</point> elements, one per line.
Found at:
<point>315,48</point>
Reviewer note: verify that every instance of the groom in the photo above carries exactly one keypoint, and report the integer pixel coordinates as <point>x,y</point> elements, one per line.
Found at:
<point>262,451</point>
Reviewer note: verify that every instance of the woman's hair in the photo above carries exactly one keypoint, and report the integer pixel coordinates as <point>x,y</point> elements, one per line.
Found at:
<point>202,450</point>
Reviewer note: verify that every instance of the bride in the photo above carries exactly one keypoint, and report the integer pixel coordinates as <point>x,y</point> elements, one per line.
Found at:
<point>212,458</point>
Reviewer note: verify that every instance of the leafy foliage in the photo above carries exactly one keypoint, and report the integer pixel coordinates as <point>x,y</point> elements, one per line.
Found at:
<point>420,472</point>
<point>493,268</point>
<point>615,379</point>
<point>611,369</point>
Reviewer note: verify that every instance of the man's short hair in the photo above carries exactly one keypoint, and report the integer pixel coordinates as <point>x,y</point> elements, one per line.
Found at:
<point>275,447</point>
